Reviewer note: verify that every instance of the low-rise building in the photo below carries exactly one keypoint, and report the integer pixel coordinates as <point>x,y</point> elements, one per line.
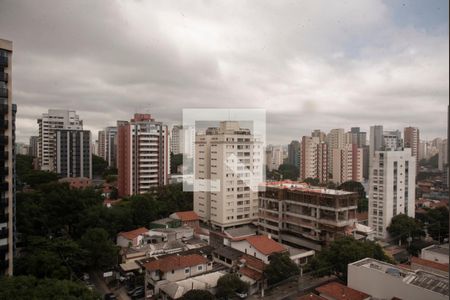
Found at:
<point>437,253</point>
<point>173,268</point>
<point>187,218</point>
<point>428,265</point>
<point>259,246</point>
<point>131,238</point>
<point>338,291</point>
<point>77,182</point>
<point>297,214</point>
<point>386,281</point>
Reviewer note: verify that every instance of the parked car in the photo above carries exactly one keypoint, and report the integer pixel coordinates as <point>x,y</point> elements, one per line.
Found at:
<point>139,293</point>
<point>138,288</point>
<point>110,296</point>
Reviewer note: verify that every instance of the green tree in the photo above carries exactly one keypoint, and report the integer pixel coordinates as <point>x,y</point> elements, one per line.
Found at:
<point>198,295</point>
<point>280,268</point>
<point>403,226</point>
<point>35,178</point>
<point>175,161</point>
<point>100,250</point>
<point>335,258</point>
<point>99,166</point>
<point>312,181</point>
<point>28,287</point>
<point>289,171</point>
<point>230,284</point>
<point>353,186</point>
<point>437,223</point>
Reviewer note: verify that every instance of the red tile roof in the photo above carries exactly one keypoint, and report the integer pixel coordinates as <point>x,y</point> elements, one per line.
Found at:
<point>311,296</point>
<point>341,292</point>
<point>175,262</point>
<point>429,264</point>
<point>133,233</point>
<point>253,262</point>
<point>186,216</point>
<point>263,244</point>
<point>253,274</point>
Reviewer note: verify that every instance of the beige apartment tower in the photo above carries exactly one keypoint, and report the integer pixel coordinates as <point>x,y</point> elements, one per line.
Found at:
<point>227,160</point>
<point>7,161</point>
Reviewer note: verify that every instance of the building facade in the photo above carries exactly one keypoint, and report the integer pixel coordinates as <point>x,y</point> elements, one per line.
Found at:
<point>73,153</point>
<point>33,150</point>
<point>143,158</point>
<point>392,188</point>
<point>347,164</point>
<point>7,161</point>
<point>227,159</point>
<point>274,157</point>
<point>294,153</point>
<point>48,124</point>
<point>313,159</point>
<point>108,145</point>
<point>411,136</point>
<point>296,214</point>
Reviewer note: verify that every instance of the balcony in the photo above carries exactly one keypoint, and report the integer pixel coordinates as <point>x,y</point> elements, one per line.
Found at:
<point>4,186</point>
<point>3,61</point>
<point>4,77</point>
<point>4,92</point>
<point>3,106</point>
<point>3,218</point>
<point>4,233</point>
<point>3,141</point>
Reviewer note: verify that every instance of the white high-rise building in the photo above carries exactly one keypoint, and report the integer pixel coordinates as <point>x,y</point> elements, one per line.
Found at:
<point>274,157</point>
<point>347,164</point>
<point>313,159</point>
<point>176,139</point>
<point>108,145</point>
<point>48,124</point>
<point>336,139</point>
<point>227,158</point>
<point>182,140</point>
<point>392,140</point>
<point>391,188</point>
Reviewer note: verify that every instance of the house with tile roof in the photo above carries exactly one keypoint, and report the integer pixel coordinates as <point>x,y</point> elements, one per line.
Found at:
<point>259,246</point>
<point>187,218</point>
<point>338,291</point>
<point>131,238</point>
<point>173,268</point>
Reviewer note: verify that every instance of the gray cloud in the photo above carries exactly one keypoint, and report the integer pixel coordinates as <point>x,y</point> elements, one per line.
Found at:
<point>311,64</point>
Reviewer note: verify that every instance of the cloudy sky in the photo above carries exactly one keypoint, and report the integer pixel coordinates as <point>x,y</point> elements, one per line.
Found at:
<point>311,64</point>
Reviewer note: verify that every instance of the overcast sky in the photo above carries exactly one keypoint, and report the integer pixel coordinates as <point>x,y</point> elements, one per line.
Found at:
<point>311,64</point>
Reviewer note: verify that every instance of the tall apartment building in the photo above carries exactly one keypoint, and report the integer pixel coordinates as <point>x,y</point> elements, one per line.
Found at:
<point>107,145</point>
<point>391,188</point>
<point>300,215</point>
<point>294,153</point>
<point>143,158</point>
<point>7,161</point>
<point>176,139</point>
<point>228,159</point>
<point>443,155</point>
<point>274,157</point>
<point>336,139</point>
<point>48,124</point>
<point>347,164</point>
<point>313,159</point>
<point>392,140</point>
<point>376,141</point>
<point>356,136</point>
<point>319,134</point>
<point>73,153</point>
<point>33,150</point>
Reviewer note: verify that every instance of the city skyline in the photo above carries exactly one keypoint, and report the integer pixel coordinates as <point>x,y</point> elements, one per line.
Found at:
<point>386,67</point>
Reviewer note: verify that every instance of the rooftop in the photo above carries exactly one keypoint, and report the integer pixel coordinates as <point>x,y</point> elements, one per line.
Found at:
<point>429,263</point>
<point>301,186</point>
<point>133,233</point>
<point>441,249</point>
<point>265,245</point>
<point>341,292</point>
<point>242,231</point>
<point>423,279</point>
<point>175,262</point>
<point>187,216</point>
